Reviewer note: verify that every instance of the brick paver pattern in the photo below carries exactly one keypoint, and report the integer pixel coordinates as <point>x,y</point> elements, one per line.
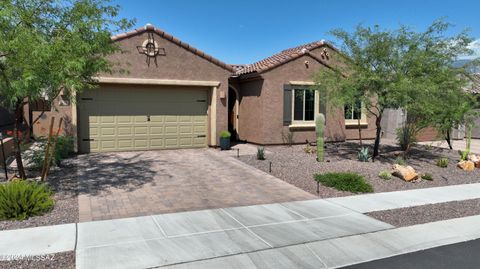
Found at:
<point>129,184</point>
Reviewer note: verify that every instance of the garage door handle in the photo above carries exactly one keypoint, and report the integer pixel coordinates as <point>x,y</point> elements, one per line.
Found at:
<point>88,139</point>
<point>201,136</point>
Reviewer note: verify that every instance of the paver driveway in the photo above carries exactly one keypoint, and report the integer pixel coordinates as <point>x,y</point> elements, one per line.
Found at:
<point>127,184</point>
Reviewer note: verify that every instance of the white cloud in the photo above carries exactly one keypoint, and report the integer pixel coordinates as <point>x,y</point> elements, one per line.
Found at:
<point>475,46</point>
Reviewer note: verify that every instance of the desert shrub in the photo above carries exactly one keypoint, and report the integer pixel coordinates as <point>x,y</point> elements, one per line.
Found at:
<point>350,182</point>
<point>427,176</point>
<point>64,148</point>
<point>36,154</point>
<point>225,134</point>
<point>463,154</point>
<point>260,153</point>
<point>364,155</point>
<point>442,162</point>
<point>385,174</point>
<point>406,137</point>
<point>308,149</point>
<point>22,199</point>
<point>400,161</point>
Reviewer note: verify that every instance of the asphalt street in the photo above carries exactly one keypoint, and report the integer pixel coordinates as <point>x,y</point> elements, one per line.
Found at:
<point>459,256</point>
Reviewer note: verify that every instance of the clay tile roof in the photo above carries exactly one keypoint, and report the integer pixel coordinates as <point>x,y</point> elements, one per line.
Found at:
<point>168,36</point>
<point>280,58</point>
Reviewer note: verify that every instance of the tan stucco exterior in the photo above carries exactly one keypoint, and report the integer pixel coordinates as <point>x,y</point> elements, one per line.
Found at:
<point>261,106</point>
<point>179,66</point>
<point>258,106</point>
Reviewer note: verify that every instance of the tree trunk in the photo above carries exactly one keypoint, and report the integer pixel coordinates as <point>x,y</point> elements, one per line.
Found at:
<point>16,139</point>
<point>377,137</point>
<point>447,137</point>
<point>359,132</point>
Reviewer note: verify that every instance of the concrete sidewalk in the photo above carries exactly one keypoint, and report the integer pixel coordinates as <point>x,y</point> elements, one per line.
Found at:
<point>456,144</point>
<point>281,231</point>
<point>350,250</point>
<point>178,238</point>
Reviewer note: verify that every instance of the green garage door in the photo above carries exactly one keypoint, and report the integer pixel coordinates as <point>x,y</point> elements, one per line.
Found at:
<point>121,118</point>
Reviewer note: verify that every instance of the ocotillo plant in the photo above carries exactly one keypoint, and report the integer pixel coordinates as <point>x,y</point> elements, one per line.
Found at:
<point>319,130</point>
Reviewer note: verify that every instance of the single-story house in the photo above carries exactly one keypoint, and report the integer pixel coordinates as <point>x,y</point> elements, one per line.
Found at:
<point>168,94</point>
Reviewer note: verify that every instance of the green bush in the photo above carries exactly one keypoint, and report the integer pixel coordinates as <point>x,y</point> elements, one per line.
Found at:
<point>260,153</point>
<point>442,162</point>
<point>350,182</point>
<point>21,199</point>
<point>400,161</point>
<point>463,154</point>
<point>406,137</point>
<point>385,174</point>
<point>225,134</point>
<point>63,149</point>
<point>427,176</point>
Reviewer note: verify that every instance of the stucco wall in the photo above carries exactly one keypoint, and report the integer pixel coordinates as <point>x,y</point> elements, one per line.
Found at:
<point>42,126</point>
<point>177,64</point>
<point>261,115</point>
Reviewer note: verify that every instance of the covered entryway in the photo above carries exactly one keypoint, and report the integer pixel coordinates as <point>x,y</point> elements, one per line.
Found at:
<point>142,117</point>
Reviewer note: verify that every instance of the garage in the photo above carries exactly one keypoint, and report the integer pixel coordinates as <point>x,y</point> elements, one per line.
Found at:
<point>130,117</point>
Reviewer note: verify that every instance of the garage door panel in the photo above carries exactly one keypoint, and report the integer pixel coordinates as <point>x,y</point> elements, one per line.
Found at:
<point>156,130</point>
<point>120,119</point>
<point>171,142</point>
<point>156,118</point>
<point>156,143</point>
<point>124,119</point>
<point>141,143</point>
<point>125,144</point>
<point>124,131</point>
<point>107,145</point>
<point>107,119</point>
<point>186,129</point>
<point>108,131</point>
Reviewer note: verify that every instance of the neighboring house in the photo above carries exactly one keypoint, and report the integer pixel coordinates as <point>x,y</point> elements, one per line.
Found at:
<point>176,96</point>
<point>475,89</point>
<point>394,119</point>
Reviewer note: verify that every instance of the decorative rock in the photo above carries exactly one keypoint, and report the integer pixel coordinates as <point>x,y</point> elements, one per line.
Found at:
<point>406,173</point>
<point>474,158</point>
<point>466,165</point>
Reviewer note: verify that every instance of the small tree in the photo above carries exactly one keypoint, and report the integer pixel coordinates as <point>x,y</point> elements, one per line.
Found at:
<point>50,46</point>
<point>394,69</point>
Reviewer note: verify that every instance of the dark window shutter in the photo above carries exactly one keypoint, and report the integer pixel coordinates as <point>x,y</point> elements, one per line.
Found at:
<point>287,107</point>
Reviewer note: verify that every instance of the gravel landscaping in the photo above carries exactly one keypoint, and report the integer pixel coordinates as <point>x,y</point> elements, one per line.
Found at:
<point>64,184</point>
<point>64,260</point>
<point>295,166</point>
<point>428,213</point>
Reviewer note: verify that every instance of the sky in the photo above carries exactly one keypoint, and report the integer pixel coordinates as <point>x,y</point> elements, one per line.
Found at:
<point>245,31</point>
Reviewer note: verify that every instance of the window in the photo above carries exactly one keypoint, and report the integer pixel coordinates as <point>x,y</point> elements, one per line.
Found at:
<point>304,108</point>
<point>354,112</point>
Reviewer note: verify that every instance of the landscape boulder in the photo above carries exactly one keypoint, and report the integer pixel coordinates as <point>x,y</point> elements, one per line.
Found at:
<point>406,173</point>
<point>475,159</point>
<point>466,165</point>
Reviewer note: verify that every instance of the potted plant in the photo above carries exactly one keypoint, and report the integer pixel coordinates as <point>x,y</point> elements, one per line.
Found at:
<point>225,140</point>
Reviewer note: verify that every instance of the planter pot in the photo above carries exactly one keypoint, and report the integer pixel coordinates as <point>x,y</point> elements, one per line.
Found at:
<point>224,143</point>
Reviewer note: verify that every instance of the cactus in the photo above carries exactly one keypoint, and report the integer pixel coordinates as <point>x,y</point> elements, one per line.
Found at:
<point>319,130</point>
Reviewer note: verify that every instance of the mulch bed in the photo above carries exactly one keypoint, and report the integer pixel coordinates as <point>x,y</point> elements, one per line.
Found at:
<point>428,213</point>
<point>296,167</point>
<point>64,184</point>
<point>63,260</point>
